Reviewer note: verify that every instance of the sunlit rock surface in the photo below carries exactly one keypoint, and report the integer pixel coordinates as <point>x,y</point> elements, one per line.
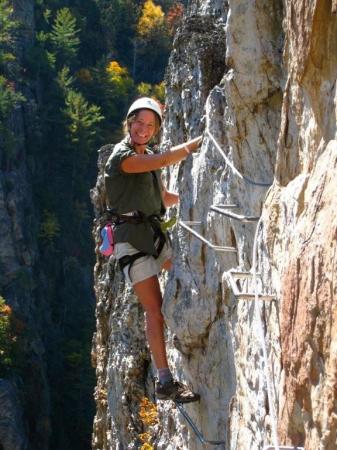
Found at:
<point>302,227</point>
<point>261,79</point>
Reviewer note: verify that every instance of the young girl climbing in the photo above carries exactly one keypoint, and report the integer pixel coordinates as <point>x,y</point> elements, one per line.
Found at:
<point>138,198</point>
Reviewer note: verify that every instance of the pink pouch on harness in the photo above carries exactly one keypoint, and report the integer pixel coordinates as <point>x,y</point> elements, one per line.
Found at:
<point>107,246</point>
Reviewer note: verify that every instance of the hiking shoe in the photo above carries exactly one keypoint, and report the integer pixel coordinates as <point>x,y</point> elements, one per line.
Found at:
<point>178,392</point>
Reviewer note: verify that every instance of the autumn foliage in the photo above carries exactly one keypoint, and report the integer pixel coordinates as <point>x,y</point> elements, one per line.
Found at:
<point>152,18</point>
<point>149,417</point>
<point>174,16</point>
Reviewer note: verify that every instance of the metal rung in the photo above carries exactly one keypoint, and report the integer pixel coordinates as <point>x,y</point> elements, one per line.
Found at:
<point>218,248</point>
<point>232,276</point>
<point>198,433</point>
<point>234,216</point>
<point>242,275</point>
<point>283,447</point>
<point>222,205</point>
<point>251,296</point>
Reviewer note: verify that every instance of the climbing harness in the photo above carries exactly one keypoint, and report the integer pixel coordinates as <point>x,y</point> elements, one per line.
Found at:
<point>134,217</point>
<point>231,165</point>
<point>129,260</point>
<point>159,240</point>
<point>111,219</point>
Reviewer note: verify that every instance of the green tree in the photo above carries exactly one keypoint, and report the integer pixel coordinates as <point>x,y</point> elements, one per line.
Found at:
<point>83,118</point>
<point>64,35</point>
<point>80,73</point>
<point>119,19</point>
<point>10,96</point>
<point>50,227</point>
<point>149,90</point>
<point>7,25</point>
<point>113,88</point>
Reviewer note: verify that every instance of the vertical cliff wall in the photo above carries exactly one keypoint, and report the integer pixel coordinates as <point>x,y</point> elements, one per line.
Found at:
<point>302,227</point>
<point>261,78</point>
<point>24,399</point>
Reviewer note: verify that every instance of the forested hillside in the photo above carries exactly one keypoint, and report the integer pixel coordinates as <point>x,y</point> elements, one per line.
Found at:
<point>69,75</point>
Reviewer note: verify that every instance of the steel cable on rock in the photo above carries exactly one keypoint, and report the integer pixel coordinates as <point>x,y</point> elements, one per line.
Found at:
<point>231,165</point>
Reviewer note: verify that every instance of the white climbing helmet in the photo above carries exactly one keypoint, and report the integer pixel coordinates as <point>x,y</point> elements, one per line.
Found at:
<point>146,103</point>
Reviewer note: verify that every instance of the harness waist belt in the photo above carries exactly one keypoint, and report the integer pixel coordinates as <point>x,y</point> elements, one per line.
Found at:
<point>137,217</point>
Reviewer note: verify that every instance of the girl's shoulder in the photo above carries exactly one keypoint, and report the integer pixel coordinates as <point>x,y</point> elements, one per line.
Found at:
<point>121,151</point>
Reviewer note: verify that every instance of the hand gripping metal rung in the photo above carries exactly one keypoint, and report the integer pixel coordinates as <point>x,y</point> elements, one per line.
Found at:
<point>232,277</point>
<point>197,432</point>
<point>221,210</point>
<point>217,248</point>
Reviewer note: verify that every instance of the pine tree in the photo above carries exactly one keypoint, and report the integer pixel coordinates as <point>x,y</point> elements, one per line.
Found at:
<point>82,118</point>
<point>64,35</point>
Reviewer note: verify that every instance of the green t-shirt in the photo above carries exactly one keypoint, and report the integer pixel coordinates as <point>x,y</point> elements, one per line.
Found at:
<point>128,192</point>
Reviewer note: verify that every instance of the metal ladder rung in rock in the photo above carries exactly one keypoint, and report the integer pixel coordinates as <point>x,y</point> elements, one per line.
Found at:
<point>236,274</point>
<point>197,432</point>
<point>220,209</point>
<point>283,447</point>
<point>233,276</point>
<point>228,206</point>
<point>217,248</point>
<point>247,296</point>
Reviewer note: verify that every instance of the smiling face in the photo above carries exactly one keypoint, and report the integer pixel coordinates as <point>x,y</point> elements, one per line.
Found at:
<point>143,127</point>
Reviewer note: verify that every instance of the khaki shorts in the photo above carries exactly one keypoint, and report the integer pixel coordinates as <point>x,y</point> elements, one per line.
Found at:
<point>144,267</point>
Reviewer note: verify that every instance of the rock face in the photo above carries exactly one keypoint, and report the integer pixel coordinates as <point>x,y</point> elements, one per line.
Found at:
<point>12,434</point>
<point>260,79</point>
<point>304,254</point>
<point>20,423</point>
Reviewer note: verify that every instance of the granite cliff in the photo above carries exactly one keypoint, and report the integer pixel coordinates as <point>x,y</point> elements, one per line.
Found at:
<point>259,79</point>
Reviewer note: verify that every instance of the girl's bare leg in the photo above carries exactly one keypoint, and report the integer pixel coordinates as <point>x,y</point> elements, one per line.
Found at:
<point>149,295</point>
